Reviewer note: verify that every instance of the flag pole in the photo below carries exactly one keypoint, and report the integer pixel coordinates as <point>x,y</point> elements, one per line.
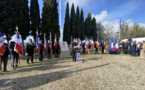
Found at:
<point>1,65</point>
<point>18,54</point>
<point>50,45</point>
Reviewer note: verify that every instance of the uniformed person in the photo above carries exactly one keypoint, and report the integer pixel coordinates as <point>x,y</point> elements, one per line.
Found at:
<point>40,53</point>
<point>15,56</point>
<point>74,44</point>
<point>83,46</point>
<point>102,46</point>
<point>4,58</point>
<point>48,50</point>
<point>30,50</point>
<point>90,48</point>
<point>56,49</point>
<point>96,48</point>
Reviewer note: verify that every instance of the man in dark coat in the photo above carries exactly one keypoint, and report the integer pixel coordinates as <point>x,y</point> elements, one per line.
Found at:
<point>83,46</point>
<point>96,48</point>
<point>15,55</point>
<point>74,44</point>
<point>102,46</point>
<point>48,50</point>
<point>4,58</point>
<point>56,49</point>
<point>40,53</point>
<point>30,50</point>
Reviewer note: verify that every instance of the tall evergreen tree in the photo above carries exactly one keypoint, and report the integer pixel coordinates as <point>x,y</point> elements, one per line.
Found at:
<point>34,16</point>
<point>50,22</point>
<point>88,25</point>
<point>7,18</point>
<point>82,25</point>
<point>73,22</point>
<point>78,25</point>
<point>94,29</point>
<point>66,30</point>
<point>22,19</point>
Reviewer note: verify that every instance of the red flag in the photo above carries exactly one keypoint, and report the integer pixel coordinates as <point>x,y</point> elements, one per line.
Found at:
<point>18,46</point>
<point>2,45</point>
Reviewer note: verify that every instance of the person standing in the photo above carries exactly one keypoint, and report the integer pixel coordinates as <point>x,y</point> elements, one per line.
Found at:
<point>40,53</point>
<point>96,48</point>
<point>56,49</point>
<point>15,56</point>
<point>74,44</point>
<point>83,46</point>
<point>133,48</point>
<point>48,50</point>
<point>102,46</point>
<point>4,58</point>
<point>90,48</point>
<point>30,50</point>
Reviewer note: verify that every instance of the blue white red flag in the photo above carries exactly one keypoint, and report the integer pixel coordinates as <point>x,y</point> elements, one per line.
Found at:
<point>2,45</point>
<point>45,44</point>
<point>18,45</point>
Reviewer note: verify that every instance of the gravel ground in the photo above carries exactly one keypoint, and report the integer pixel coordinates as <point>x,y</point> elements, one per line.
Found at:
<point>94,72</point>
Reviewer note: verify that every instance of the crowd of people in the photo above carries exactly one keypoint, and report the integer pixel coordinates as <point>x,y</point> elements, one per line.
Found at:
<point>133,47</point>
<point>30,50</point>
<point>87,46</point>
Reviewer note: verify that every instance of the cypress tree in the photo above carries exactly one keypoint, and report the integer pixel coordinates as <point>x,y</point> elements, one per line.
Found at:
<point>78,25</point>
<point>82,25</point>
<point>34,16</point>
<point>50,22</point>
<point>94,29</point>
<point>73,22</point>
<point>66,30</point>
<point>88,25</point>
<point>7,18</point>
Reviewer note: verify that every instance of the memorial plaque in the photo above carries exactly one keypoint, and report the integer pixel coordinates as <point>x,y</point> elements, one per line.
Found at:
<point>64,49</point>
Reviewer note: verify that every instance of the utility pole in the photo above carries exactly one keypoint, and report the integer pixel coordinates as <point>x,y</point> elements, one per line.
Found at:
<point>120,29</point>
<point>60,16</point>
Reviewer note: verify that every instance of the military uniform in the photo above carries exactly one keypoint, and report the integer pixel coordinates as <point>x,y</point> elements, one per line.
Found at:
<point>102,45</point>
<point>30,51</point>
<point>15,56</point>
<point>4,58</point>
<point>96,49</point>
<point>73,50</point>
<point>48,51</point>
<point>56,50</point>
<point>40,53</point>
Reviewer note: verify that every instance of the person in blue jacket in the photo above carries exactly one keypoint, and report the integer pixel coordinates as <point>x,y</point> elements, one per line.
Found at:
<point>133,48</point>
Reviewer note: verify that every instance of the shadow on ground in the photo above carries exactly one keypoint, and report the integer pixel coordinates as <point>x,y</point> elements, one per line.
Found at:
<point>38,80</point>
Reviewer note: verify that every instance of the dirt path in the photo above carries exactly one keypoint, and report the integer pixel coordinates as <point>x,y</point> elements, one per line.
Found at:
<point>95,72</point>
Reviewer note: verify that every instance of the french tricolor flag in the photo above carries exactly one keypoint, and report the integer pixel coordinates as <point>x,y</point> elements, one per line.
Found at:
<point>55,43</point>
<point>2,45</point>
<point>50,44</point>
<point>45,44</point>
<point>37,42</point>
<point>98,43</point>
<point>18,45</point>
<point>86,46</point>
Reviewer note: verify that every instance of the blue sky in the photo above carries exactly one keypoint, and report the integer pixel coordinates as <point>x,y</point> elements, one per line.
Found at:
<point>107,11</point>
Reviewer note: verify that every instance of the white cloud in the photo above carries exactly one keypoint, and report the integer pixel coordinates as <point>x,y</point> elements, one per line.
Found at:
<point>100,17</point>
<point>115,24</point>
<point>81,3</point>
